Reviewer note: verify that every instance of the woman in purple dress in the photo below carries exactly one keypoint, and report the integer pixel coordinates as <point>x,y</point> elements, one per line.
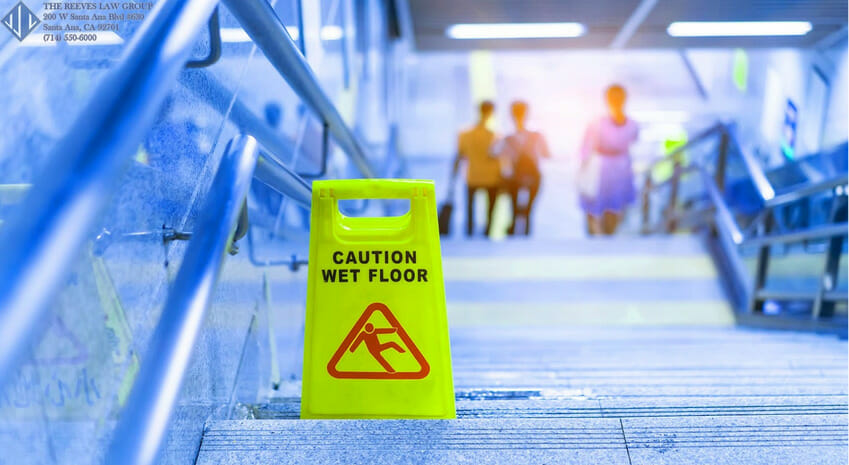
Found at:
<point>606,176</point>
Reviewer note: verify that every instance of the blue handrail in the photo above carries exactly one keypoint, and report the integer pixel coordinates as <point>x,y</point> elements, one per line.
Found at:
<point>753,167</point>
<point>43,238</point>
<point>282,179</point>
<point>261,23</point>
<point>144,422</point>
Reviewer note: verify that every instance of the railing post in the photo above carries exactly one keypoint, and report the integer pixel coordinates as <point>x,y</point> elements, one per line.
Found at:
<point>646,204</point>
<point>669,213</point>
<point>762,268</point>
<point>721,160</point>
<point>828,280</point>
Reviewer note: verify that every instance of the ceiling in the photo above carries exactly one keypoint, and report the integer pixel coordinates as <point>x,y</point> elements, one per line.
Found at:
<point>605,18</point>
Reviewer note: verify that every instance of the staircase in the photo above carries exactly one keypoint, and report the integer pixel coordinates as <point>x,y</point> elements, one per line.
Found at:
<point>617,351</point>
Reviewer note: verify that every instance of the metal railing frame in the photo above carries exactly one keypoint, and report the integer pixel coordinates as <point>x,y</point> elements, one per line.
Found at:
<point>732,237</point>
<point>86,163</point>
<point>144,423</point>
<point>49,227</point>
<point>260,21</point>
<point>69,197</point>
<point>145,420</point>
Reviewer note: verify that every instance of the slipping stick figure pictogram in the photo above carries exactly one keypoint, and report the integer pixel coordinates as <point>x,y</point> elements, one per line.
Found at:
<point>370,335</point>
<point>363,331</point>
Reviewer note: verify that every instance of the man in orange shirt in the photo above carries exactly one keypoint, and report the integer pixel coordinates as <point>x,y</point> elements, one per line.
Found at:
<point>483,171</point>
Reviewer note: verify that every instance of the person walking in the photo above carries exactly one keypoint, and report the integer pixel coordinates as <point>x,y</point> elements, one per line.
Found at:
<point>605,178</point>
<point>520,153</point>
<point>483,171</point>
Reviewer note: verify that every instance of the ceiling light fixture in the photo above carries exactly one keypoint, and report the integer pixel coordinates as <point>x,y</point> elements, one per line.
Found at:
<point>738,28</point>
<point>515,30</point>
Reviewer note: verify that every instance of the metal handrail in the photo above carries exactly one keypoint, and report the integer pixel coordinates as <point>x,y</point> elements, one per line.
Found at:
<point>260,21</point>
<point>144,422</point>
<point>698,139</point>
<point>723,214</point>
<point>282,179</point>
<point>686,169</point>
<point>816,232</point>
<point>93,159</point>
<point>748,292</point>
<point>753,167</point>
<point>57,214</point>
<point>728,232</point>
<point>807,190</point>
<point>765,190</point>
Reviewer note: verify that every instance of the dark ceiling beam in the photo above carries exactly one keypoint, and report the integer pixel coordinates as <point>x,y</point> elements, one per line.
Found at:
<point>694,75</point>
<point>832,39</point>
<point>633,23</point>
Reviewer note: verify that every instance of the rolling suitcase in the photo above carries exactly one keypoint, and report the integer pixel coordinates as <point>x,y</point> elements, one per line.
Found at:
<point>446,210</point>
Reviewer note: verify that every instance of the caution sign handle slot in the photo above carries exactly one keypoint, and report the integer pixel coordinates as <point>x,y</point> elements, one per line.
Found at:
<point>401,227</point>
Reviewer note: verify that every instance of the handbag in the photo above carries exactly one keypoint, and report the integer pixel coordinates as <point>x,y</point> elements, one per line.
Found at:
<point>589,176</point>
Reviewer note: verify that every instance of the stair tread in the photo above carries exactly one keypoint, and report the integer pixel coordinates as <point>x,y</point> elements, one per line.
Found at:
<point>511,440</point>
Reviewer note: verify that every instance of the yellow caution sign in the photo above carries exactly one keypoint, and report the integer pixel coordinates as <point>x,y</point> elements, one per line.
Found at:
<point>376,338</point>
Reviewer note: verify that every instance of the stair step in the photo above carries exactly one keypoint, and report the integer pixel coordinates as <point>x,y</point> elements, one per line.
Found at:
<point>601,247</point>
<point>540,404</point>
<point>710,439</point>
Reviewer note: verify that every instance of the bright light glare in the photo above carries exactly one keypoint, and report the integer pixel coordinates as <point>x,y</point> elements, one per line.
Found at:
<point>661,116</point>
<point>738,28</point>
<point>331,33</point>
<point>661,132</point>
<point>232,35</point>
<point>515,30</point>
<point>238,35</point>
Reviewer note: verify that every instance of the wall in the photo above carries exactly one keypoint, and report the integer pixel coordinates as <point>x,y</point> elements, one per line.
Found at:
<point>836,119</point>
<point>774,77</point>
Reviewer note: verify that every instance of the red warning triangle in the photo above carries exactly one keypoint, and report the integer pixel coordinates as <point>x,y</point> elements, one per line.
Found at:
<point>364,333</point>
